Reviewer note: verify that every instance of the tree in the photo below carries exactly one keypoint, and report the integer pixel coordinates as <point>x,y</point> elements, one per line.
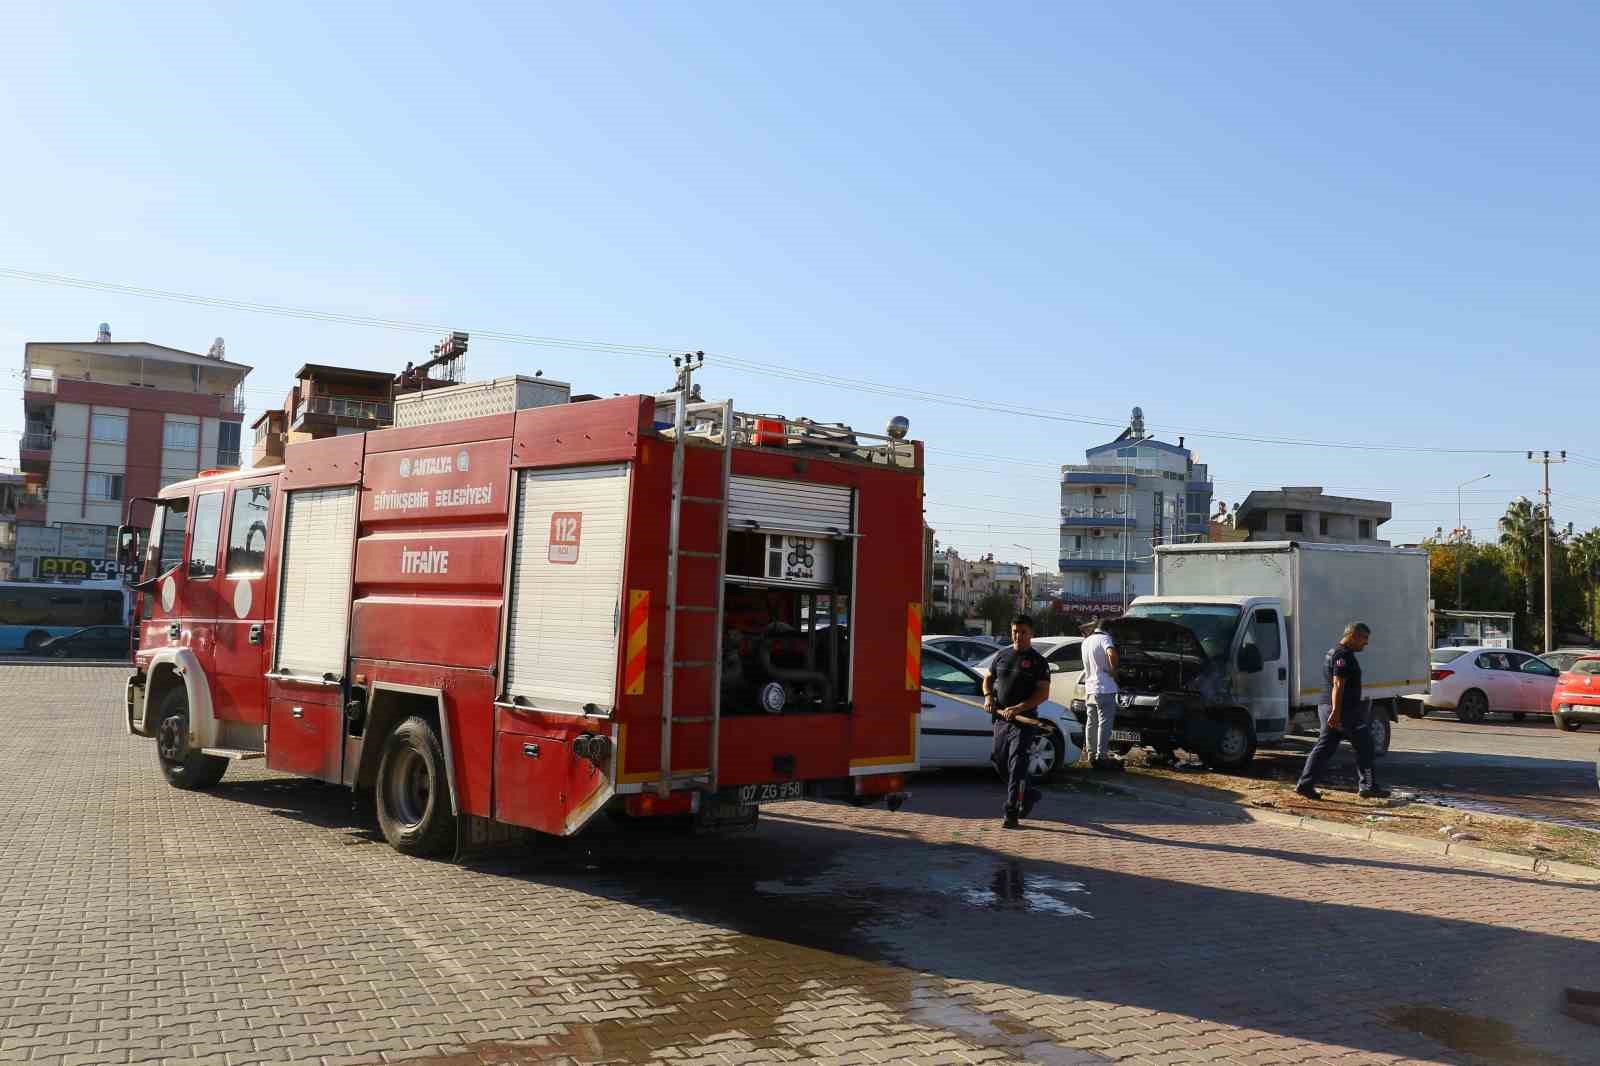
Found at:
<point>1522,537</point>
<point>1583,564</point>
<point>999,609</point>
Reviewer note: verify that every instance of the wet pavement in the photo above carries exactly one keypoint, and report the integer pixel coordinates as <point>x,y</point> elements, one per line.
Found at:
<point>266,922</point>
<point>1528,769</point>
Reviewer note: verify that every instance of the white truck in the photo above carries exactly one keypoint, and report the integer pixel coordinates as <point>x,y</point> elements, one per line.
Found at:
<point>1228,653</point>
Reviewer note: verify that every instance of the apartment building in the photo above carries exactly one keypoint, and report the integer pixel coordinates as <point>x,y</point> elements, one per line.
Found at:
<point>108,421</point>
<point>1306,513</point>
<point>10,492</point>
<point>1128,495</point>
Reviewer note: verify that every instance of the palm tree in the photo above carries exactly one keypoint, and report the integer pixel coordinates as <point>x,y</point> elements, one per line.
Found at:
<point>1583,558</point>
<point>1522,536</point>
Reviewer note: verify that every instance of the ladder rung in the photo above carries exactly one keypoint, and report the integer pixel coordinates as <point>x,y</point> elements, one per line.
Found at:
<point>691,664</point>
<point>691,721</point>
<point>700,555</point>
<point>697,610</point>
<point>702,499</point>
<point>236,754</point>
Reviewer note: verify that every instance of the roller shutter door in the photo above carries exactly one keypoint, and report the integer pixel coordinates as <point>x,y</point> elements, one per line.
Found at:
<point>789,506</point>
<point>566,599</point>
<point>314,602</point>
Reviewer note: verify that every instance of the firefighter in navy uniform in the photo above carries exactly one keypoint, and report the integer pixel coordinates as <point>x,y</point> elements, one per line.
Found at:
<point>1344,717</point>
<point>1018,681</point>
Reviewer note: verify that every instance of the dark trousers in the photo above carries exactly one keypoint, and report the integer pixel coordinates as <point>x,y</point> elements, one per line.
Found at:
<point>1011,744</point>
<point>1357,730</point>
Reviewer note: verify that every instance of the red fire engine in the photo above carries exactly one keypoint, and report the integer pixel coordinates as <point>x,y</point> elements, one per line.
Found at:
<point>647,604</point>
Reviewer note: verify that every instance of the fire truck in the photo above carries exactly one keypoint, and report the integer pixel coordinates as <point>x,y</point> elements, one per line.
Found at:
<point>511,611</point>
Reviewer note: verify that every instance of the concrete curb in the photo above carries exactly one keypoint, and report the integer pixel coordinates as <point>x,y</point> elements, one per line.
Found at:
<point>1382,837</point>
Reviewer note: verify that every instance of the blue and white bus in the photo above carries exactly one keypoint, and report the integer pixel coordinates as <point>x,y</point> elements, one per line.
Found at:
<point>32,612</point>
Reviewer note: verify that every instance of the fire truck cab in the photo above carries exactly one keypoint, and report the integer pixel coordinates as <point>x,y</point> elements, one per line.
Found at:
<point>500,618</point>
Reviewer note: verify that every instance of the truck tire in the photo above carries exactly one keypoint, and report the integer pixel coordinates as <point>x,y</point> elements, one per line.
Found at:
<point>1473,706</point>
<point>1235,747</point>
<point>413,791</point>
<point>1382,733</point>
<point>181,765</point>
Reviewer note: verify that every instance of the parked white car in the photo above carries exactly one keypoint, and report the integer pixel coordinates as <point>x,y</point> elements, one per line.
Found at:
<point>969,649</point>
<point>1065,656</point>
<point>957,731</point>
<point>1478,681</point>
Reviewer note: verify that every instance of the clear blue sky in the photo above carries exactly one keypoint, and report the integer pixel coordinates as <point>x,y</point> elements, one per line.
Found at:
<point>1336,222</point>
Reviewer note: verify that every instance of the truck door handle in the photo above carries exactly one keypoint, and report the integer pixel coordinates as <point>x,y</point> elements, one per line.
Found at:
<point>1283,674</point>
<point>173,630</point>
<point>255,633</point>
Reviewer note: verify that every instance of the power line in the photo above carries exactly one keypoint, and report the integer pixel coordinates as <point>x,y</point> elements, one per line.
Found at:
<point>725,359</point>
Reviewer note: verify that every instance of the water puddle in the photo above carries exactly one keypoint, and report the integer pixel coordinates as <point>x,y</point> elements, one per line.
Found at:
<point>1473,806</point>
<point>1010,887</point>
<point>1486,1038</point>
<point>738,996</point>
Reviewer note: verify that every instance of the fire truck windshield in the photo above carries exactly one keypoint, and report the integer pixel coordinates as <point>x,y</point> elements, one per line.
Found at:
<point>166,538</point>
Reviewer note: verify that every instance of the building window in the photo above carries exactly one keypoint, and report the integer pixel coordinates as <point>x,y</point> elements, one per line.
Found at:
<point>184,435</point>
<point>1322,525</point>
<point>109,429</point>
<point>228,443</point>
<point>103,487</point>
<point>1294,522</point>
<point>1366,528</point>
<point>203,544</point>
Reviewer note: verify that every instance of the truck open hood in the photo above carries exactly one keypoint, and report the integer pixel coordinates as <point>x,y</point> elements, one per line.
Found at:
<point>1153,636</point>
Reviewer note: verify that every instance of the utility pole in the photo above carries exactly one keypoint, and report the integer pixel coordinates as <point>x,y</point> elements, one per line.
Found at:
<point>1546,459</point>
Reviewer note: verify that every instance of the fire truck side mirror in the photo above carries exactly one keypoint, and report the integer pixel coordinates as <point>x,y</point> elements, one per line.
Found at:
<point>128,547</point>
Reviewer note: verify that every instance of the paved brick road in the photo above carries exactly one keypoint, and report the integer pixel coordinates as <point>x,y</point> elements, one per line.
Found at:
<point>262,922</point>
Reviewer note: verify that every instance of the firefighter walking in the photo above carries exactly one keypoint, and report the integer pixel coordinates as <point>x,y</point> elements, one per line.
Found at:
<point>1018,682</point>
<point>1346,716</point>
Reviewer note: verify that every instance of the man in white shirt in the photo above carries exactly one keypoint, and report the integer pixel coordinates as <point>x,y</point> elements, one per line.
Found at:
<point>1100,694</point>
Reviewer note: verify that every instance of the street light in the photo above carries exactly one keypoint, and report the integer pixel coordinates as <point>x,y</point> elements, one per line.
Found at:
<point>1461,534</point>
<point>1023,588</point>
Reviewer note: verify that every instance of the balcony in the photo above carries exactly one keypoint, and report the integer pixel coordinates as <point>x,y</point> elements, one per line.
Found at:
<point>1097,476</point>
<point>1102,557</point>
<point>371,411</point>
<point>32,505</point>
<point>1071,516</point>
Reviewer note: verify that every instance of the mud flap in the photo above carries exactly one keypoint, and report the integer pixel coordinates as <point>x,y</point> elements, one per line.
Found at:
<point>479,838</point>
<point>721,814</point>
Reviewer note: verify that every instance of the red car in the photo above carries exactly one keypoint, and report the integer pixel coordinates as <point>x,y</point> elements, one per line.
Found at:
<point>1576,699</point>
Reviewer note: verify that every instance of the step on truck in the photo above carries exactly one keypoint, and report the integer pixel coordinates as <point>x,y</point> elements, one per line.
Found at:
<point>498,617</point>
<point>1228,653</point>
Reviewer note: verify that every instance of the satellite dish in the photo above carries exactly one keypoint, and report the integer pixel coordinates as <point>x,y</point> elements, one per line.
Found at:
<point>103,335</point>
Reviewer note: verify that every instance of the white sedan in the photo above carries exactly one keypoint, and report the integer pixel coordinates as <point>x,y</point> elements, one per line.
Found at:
<point>968,649</point>
<point>1065,658</point>
<point>1476,681</point>
<point>957,731</point>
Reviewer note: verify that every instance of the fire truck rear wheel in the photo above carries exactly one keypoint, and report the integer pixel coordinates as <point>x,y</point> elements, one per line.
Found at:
<point>181,765</point>
<point>413,792</point>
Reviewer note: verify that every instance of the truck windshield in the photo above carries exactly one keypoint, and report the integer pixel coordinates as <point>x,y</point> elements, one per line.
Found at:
<point>1213,623</point>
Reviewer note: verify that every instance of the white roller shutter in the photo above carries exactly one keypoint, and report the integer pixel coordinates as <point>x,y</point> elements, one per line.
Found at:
<point>566,601</point>
<point>314,579</point>
<point>789,506</point>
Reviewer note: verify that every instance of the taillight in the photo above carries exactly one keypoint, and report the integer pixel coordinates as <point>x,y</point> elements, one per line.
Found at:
<point>1440,675</point>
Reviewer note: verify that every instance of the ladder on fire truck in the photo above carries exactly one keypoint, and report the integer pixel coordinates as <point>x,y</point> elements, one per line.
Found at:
<point>713,424</point>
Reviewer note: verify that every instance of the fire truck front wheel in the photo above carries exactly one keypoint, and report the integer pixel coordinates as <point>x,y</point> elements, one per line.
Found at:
<point>413,793</point>
<point>183,766</point>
